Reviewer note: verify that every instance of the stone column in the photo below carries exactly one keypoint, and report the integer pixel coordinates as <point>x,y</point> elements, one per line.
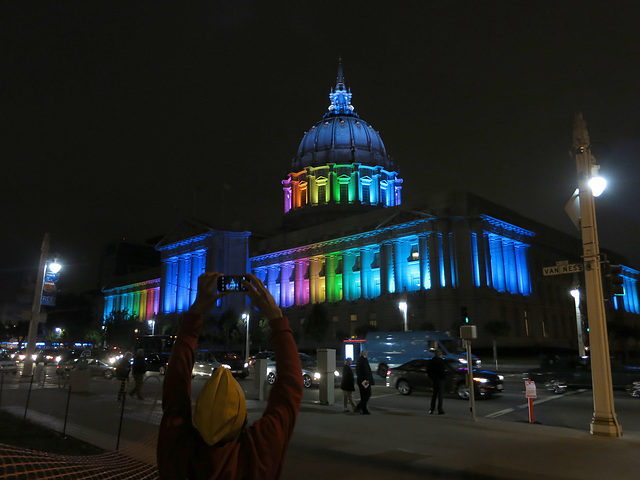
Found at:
<point>424,261</point>
<point>434,260</point>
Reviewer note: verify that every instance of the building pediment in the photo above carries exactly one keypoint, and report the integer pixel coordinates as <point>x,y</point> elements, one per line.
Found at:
<point>185,230</point>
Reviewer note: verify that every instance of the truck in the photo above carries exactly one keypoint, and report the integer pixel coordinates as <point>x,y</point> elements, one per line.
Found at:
<point>392,349</point>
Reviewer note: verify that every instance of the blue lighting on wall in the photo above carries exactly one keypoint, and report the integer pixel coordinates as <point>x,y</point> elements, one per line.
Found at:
<point>475,263</point>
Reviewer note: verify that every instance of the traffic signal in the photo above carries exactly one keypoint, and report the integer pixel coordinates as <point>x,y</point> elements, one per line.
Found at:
<point>613,282</point>
<point>463,314</point>
<point>617,282</point>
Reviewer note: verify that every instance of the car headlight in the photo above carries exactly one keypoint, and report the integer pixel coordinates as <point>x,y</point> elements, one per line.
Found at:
<point>316,376</point>
<point>500,377</point>
<point>58,358</point>
<point>480,379</point>
<point>224,365</point>
<point>462,360</point>
<point>336,373</point>
<point>246,365</point>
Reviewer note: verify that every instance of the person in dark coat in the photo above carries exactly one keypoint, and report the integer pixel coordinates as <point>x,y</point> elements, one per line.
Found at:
<point>138,370</point>
<point>348,386</point>
<point>365,382</point>
<point>437,373</point>
<point>123,368</point>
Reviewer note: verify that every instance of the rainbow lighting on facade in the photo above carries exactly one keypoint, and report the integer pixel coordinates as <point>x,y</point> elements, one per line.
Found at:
<point>348,241</point>
<point>141,299</point>
<point>410,257</point>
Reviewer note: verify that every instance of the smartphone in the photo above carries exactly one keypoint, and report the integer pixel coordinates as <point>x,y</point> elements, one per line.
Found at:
<point>231,283</point>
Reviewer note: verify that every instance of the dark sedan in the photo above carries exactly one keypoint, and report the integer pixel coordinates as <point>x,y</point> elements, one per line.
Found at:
<point>233,362</point>
<point>560,373</point>
<point>412,376</point>
<point>157,363</point>
<point>95,367</point>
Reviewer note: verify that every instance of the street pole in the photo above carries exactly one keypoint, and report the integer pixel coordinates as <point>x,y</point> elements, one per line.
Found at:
<point>35,309</point>
<point>403,308</point>
<point>245,316</point>
<point>575,293</point>
<point>604,421</point>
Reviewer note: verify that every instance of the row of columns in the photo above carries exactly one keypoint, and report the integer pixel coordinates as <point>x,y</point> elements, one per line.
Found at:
<point>144,304</point>
<point>300,281</point>
<point>297,193</point>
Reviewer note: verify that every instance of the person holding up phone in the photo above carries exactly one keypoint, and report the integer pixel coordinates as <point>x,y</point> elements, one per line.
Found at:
<point>215,441</point>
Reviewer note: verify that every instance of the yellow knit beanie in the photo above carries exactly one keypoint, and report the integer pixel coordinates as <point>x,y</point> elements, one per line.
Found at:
<point>220,410</point>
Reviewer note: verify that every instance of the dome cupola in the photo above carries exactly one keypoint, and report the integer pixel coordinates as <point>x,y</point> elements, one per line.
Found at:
<point>341,167</point>
<point>341,136</point>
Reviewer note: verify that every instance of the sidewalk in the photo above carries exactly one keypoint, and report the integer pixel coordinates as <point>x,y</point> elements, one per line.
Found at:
<point>392,444</point>
<point>397,444</point>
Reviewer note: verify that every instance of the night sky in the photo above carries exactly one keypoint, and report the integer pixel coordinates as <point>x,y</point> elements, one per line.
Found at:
<point>121,118</point>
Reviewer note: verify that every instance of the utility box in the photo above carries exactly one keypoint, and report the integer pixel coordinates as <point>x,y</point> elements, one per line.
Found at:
<point>468,332</point>
<point>260,372</point>
<point>326,368</point>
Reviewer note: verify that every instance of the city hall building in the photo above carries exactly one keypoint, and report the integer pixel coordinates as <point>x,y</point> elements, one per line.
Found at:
<point>349,243</point>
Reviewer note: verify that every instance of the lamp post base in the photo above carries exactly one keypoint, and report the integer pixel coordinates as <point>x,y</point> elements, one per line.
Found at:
<point>605,426</point>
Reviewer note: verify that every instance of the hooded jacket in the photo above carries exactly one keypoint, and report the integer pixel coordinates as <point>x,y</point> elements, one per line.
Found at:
<point>259,451</point>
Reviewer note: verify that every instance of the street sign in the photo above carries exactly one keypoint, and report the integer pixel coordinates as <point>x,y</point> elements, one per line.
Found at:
<point>530,388</point>
<point>562,269</point>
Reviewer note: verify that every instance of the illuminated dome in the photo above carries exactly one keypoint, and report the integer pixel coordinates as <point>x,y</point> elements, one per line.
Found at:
<point>341,168</point>
<point>341,136</point>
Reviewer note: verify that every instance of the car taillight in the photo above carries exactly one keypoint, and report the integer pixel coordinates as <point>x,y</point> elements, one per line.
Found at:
<point>388,372</point>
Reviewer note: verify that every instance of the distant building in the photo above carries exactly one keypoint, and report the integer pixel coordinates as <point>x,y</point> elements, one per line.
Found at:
<point>349,243</point>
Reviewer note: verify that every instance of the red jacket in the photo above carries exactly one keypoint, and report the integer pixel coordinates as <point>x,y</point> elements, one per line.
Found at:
<point>259,451</point>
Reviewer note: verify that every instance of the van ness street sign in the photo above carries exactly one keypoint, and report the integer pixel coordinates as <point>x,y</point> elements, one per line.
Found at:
<point>562,269</point>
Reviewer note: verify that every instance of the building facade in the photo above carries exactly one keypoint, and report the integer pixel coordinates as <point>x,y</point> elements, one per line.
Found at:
<point>349,243</point>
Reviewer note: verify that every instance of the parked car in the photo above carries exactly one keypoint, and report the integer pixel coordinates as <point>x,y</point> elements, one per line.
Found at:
<point>233,362</point>
<point>266,354</point>
<point>205,364</point>
<point>157,363</point>
<point>392,349</point>
<point>560,373</point>
<point>49,355</point>
<point>96,367</point>
<point>310,374</point>
<point>412,376</point>
<point>7,364</point>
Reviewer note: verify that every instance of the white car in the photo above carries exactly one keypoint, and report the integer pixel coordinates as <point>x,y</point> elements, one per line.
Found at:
<point>204,365</point>
<point>310,374</point>
<point>7,364</point>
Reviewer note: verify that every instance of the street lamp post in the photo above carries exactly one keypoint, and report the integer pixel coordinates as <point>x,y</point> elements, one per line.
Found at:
<point>35,308</point>
<point>245,318</point>
<point>403,308</point>
<point>604,420</point>
<point>575,293</point>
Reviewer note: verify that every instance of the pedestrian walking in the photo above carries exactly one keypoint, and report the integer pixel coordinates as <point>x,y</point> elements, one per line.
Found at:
<point>348,386</point>
<point>365,382</point>
<point>138,370</point>
<point>437,374</point>
<point>122,373</point>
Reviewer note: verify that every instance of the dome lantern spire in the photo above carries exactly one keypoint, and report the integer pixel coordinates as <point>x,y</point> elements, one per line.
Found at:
<point>340,96</point>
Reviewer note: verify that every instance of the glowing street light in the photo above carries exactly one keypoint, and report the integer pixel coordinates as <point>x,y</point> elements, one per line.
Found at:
<point>403,308</point>
<point>42,287</point>
<point>575,293</point>
<point>245,319</point>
